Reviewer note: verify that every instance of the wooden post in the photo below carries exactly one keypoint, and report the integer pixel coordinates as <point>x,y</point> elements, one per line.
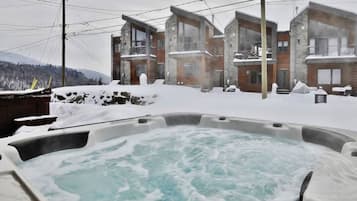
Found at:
<point>264,51</point>
<point>63,42</point>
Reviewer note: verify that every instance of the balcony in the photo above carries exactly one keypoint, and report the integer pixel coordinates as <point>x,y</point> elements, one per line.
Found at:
<point>323,53</point>
<point>140,52</point>
<point>252,57</point>
<point>188,46</point>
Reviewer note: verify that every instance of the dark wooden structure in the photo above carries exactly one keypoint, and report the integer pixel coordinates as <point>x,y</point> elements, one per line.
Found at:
<point>17,105</point>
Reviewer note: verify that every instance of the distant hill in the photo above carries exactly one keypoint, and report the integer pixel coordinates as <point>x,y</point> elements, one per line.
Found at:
<point>91,74</point>
<point>17,72</point>
<point>20,59</point>
<point>17,59</point>
<point>20,76</point>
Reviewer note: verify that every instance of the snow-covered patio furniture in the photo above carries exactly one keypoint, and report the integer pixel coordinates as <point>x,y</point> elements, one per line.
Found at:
<point>346,91</point>
<point>35,120</point>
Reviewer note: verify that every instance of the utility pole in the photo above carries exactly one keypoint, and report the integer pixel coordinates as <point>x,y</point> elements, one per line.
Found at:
<point>63,42</point>
<point>264,51</point>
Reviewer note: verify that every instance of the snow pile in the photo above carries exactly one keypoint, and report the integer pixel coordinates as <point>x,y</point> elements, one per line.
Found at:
<point>338,112</point>
<point>301,88</point>
<point>101,95</point>
<point>274,88</point>
<point>143,79</point>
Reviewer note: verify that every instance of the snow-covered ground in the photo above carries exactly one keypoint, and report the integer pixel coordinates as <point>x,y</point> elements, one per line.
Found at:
<point>339,112</point>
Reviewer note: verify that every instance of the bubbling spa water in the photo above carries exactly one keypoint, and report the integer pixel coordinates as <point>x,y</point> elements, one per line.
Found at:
<point>177,164</point>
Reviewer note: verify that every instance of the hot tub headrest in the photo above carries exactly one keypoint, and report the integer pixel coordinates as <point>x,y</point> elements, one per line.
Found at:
<point>326,138</point>
<point>34,147</point>
<point>182,119</point>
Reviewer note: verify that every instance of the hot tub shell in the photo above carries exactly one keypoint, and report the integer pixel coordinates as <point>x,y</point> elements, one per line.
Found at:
<point>322,187</point>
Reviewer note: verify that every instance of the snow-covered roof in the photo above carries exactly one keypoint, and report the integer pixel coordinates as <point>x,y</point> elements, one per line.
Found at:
<point>191,15</point>
<point>139,23</point>
<point>251,18</point>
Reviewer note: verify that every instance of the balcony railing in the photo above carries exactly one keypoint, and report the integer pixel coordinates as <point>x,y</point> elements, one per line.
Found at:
<point>246,55</point>
<point>142,50</point>
<point>332,51</point>
<point>188,46</point>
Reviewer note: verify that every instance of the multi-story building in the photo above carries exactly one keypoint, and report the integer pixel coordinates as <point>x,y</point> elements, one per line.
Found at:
<point>323,47</point>
<point>319,49</point>
<point>141,51</point>
<point>193,50</point>
<point>242,57</point>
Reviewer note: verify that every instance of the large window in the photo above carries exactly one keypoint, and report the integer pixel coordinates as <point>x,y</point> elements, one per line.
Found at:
<point>283,45</point>
<point>329,76</point>
<point>138,37</point>
<point>250,43</point>
<point>327,40</point>
<point>188,36</point>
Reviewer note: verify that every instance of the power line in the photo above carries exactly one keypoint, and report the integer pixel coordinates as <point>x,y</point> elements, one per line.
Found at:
<point>158,18</point>
<point>137,14</point>
<point>28,45</point>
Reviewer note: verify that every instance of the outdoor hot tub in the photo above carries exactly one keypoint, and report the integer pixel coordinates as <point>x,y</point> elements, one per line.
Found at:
<point>181,157</point>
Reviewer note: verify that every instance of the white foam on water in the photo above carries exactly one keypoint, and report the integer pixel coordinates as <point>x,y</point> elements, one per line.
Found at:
<point>178,163</point>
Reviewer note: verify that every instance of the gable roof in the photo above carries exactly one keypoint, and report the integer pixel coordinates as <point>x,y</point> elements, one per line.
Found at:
<point>139,23</point>
<point>332,10</point>
<point>257,20</point>
<point>193,16</point>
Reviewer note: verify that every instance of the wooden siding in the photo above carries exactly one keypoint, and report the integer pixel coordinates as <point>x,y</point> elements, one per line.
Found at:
<point>18,107</point>
<point>244,78</point>
<point>348,75</point>
<point>160,53</point>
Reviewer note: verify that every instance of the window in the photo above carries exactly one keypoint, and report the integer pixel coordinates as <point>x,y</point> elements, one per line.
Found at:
<point>255,77</point>
<point>333,46</point>
<point>336,76</point>
<point>312,46</point>
<point>321,46</point>
<point>329,76</point>
<point>283,45</point>
<point>138,37</point>
<point>286,44</point>
<point>280,44</point>
<point>190,69</point>
<point>188,36</point>
<point>250,42</point>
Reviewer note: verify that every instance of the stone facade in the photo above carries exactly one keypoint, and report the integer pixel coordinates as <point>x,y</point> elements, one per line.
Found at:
<point>230,46</point>
<point>170,46</point>
<point>299,42</point>
<point>125,50</point>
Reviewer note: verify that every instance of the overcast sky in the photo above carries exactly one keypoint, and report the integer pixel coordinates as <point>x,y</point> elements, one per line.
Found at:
<point>31,22</point>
